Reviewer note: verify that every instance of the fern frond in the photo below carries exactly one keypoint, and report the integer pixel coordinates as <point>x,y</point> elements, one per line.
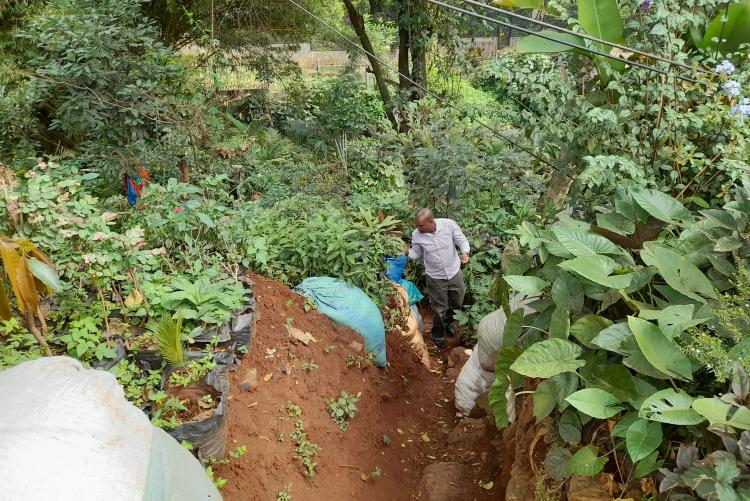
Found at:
<point>168,334</point>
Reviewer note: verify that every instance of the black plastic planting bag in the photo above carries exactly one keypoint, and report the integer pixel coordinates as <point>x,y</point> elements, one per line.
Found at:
<point>208,435</point>
<point>243,326</point>
<point>107,363</point>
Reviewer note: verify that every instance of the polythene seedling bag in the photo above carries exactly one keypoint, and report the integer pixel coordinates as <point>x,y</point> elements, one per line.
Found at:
<point>348,305</point>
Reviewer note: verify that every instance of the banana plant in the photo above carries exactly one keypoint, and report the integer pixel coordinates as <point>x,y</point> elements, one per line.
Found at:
<point>729,29</point>
<point>598,18</point>
<point>31,276</point>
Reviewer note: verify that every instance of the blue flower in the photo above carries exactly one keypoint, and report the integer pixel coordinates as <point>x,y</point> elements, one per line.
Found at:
<point>647,4</point>
<point>725,68</point>
<point>732,88</point>
<point>743,108</point>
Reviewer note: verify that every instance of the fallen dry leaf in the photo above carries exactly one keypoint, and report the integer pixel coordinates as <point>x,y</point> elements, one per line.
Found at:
<point>267,377</point>
<point>135,298</point>
<point>303,337</point>
<point>425,437</point>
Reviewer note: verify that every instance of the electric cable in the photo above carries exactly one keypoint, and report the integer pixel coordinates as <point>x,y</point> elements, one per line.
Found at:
<point>584,36</point>
<point>559,41</point>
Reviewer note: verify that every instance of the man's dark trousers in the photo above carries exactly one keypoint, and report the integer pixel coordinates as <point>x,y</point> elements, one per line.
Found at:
<point>445,296</point>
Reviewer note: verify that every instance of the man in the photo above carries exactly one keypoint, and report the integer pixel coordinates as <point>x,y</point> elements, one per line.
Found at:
<point>435,241</point>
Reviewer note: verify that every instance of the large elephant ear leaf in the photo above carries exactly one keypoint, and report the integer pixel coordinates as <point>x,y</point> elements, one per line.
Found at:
<point>678,271</point>
<point>581,242</point>
<point>670,406</point>
<point>660,351</point>
<point>660,205</point>
<point>526,284</point>
<point>595,403</point>
<point>548,358</point>
<point>586,462</point>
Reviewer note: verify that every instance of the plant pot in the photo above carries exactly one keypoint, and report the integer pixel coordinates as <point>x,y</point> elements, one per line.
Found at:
<point>206,430</point>
<point>243,326</point>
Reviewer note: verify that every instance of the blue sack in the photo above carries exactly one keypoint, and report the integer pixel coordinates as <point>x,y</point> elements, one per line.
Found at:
<point>394,268</point>
<point>349,306</point>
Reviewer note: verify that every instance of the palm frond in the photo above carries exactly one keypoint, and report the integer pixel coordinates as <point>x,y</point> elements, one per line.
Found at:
<point>168,334</point>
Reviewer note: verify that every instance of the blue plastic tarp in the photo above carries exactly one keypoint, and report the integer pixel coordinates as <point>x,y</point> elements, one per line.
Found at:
<point>348,305</point>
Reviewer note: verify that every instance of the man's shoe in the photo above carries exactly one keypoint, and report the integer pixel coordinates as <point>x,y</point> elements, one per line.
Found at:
<point>439,342</point>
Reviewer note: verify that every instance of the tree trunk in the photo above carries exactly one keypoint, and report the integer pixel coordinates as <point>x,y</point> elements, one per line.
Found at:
<point>403,52</point>
<point>358,23</point>
<point>184,170</point>
<point>419,68</point>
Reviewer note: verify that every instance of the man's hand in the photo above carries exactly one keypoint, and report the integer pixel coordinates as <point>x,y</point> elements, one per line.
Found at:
<point>465,258</point>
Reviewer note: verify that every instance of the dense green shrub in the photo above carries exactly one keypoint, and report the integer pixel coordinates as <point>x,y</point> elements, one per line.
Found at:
<point>326,109</point>
<point>610,336</point>
<point>97,72</point>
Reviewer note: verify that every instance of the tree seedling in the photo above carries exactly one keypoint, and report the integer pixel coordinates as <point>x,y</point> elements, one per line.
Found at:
<point>304,449</point>
<point>309,366</point>
<point>343,408</point>
<point>285,494</point>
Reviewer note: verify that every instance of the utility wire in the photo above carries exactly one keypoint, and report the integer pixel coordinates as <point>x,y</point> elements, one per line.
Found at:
<point>559,41</point>
<point>584,36</point>
<point>424,89</point>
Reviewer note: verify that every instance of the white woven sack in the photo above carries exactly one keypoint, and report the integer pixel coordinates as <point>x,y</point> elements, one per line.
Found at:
<point>67,433</point>
<point>490,331</point>
<point>471,383</point>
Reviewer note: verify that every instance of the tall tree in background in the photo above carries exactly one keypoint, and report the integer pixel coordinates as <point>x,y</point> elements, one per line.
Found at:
<point>358,23</point>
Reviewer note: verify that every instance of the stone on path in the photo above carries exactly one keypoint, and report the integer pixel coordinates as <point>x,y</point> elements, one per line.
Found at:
<point>469,433</point>
<point>250,383</point>
<point>443,482</point>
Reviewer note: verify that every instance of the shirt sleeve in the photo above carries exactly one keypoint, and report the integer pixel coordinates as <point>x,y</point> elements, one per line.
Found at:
<point>460,239</point>
<point>415,251</point>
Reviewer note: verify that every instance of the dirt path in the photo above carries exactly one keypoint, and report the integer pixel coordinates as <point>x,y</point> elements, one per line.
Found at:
<point>406,403</point>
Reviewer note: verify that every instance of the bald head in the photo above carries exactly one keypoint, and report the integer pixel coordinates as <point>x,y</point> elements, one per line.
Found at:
<point>425,221</point>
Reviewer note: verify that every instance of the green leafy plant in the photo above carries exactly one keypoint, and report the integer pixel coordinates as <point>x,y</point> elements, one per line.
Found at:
<point>309,366</point>
<point>18,344</point>
<point>305,451</point>
<point>610,329</point>
<point>285,494</point>
<point>193,371</point>
<point>139,386</point>
<point>218,481</point>
<point>343,408</point>
<point>203,300</point>
<point>84,340</point>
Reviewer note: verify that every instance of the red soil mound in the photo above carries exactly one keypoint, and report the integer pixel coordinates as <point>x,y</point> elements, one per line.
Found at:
<point>410,405</point>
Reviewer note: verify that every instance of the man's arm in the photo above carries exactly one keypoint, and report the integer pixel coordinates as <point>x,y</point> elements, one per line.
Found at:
<point>460,240</point>
<point>414,252</point>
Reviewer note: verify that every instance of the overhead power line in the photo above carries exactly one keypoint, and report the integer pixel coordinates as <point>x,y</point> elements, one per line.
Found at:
<point>583,35</point>
<point>559,41</point>
<point>417,85</point>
